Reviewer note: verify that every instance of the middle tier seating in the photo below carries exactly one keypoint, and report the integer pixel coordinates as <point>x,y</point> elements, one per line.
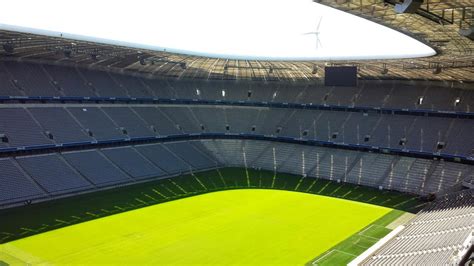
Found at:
<point>69,124</point>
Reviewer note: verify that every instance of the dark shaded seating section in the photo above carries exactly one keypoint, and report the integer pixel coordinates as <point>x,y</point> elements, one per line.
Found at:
<point>133,85</point>
<point>69,122</point>
<point>417,176</point>
<point>60,125</point>
<point>53,174</point>
<point>69,172</point>
<point>7,87</point>
<point>103,84</point>
<point>158,122</point>
<point>15,184</point>
<point>128,122</point>
<point>190,154</point>
<point>96,168</point>
<point>31,79</point>
<point>96,123</point>
<point>52,80</point>
<point>69,81</point>
<point>163,158</point>
<point>132,163</point>
<point>21,129</point>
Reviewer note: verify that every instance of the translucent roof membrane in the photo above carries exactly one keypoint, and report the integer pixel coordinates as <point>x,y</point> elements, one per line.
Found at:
<point>244,29</point>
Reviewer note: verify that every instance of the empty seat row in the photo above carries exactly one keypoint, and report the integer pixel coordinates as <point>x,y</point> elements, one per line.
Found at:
<point>43,176</point>
<point>417,176</point>
<point>69,124</point>
<point>439,234</point>
<point>27,79</point>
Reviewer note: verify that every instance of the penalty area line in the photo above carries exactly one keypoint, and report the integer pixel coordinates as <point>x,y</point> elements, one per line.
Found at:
<point>361,233</point>
<point>331,252</point>
<point>322,257</point>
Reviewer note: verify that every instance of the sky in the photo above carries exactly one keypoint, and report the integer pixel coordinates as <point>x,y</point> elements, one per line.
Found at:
<point>243,29</point>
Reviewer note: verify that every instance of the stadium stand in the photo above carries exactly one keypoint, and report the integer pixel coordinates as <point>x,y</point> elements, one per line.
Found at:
<point>53,173</point>
<point>126,164</point>
<point>15,183</point>
<point>96,123</point>
<point>75,124</point>
<point>68,81</point>
<point>163,158</point>
<point>102,84</point>
<point>388,171</point>
<point>185,125</point>
<point>96,168</point>
<point>7,82</point>
<point>26,133</point>
<point>66,123</point>
<point>132,162</point>
<point>31,79</point>
<point>68,130</point>
<point>60,125</point>
<point>128,122</point>
<point>93,83</point>
<point>157,121</point>
<point>133,85</point>
<point>440,234</point>
<point>194,157</point>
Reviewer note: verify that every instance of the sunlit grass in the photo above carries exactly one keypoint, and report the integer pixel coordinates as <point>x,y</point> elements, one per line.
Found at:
<point>236,226</point>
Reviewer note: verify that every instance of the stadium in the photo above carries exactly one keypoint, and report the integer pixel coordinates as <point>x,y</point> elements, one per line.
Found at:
<point>251,132</point>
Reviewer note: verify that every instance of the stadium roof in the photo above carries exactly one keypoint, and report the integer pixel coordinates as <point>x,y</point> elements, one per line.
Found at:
<point>436,23</point>
<point>270,29</point>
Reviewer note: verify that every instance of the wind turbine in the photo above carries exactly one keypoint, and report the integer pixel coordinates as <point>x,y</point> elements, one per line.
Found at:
<point>316,33</point>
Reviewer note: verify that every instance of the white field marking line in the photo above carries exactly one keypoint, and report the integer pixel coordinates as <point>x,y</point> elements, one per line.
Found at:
<point>347,253</point>
<point>327,254</point>
<point>357,243</point>
<point>370,237</point>
<point>330,252</point>
<point>361,246</point>
<point>370,226</point>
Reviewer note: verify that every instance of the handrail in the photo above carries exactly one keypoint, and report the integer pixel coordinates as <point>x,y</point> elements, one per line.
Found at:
<point>72,146</point>
<point>165,101</point>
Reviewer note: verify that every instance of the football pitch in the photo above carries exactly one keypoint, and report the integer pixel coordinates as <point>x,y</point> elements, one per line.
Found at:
<point>245,226</point>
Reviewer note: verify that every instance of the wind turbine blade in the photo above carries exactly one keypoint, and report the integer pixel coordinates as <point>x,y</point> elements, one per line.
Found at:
<point>319,23</point>
<point>309,33</point>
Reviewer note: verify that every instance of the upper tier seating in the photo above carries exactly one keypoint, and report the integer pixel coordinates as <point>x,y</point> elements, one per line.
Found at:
<point>69,81</point>
<point>47,80</point>
<point>30,79</point>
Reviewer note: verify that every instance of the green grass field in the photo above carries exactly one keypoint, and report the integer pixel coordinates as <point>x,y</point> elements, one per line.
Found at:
<point>347,250</point>
<point>162,200</point>
<point>227,227</point>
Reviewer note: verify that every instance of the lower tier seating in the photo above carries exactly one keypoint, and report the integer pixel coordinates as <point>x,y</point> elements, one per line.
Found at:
<point>439,235</point>
<point>48,175</point>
